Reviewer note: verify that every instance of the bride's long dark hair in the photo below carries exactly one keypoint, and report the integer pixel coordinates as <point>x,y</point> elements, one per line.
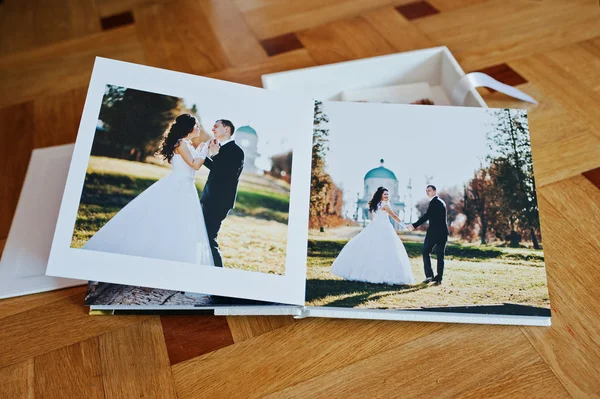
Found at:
<point>376,199</point>
<point>180,128</point>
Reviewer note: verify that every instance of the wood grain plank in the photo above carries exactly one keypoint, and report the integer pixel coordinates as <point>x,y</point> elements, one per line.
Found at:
<point>301,351</point>
<point>26,24</point>
<point>578,200</point>
<point>593,176</point>
<point>246,327</point>
<point>251,75</point>
<point>17,381</point>
<point>565,88</point>
<point>135,362</point>
<point>534,380</point>
<point>16,144</point>
<point>278,17</point>
<point>397,30</point>
<point>444,373</point>
<point>445,5</point>
<point>63,66</point>
<point>344,40</point>
<point>527,28</point>
<point>70,372</point>
<point>57,117</point>
<point>187,337</point>
<point>112,7</point>
<point>570,346</point>
<point>83,17</point>
<point>194,49</point>
<point>580,60</point>
<point>239,43</point>
<point>13,15</point>
<point>12,306</point>
<point>565,157</point>
<point>47,328</point>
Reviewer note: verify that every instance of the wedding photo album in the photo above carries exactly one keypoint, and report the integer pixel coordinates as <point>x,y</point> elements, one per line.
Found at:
<point>426,209</point>
<point>189,193</point>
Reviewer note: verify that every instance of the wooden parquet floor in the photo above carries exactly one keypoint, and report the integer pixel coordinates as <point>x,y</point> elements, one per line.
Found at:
<point>51,348</point>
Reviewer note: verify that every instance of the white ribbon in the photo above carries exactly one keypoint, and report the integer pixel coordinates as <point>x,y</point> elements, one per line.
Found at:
<point>478,79</point>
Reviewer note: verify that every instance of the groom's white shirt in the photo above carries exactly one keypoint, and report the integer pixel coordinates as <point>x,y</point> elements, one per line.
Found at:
<point>222,143</point>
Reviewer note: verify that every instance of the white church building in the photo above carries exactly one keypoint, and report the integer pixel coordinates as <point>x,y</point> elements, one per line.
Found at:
<point>377,177</point>
<point>247,138</point>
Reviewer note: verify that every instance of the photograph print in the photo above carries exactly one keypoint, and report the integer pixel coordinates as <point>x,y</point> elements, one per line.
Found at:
<point>424,208</point>
<point>180,179</point>
<point>180,182</point>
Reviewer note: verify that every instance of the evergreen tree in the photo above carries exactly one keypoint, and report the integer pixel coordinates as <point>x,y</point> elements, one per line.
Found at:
<point>512,168</point>
<point>320,180</point>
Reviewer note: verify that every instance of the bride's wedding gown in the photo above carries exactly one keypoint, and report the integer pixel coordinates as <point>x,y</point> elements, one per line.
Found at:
<point>375,255</point>
<point>163,222</point>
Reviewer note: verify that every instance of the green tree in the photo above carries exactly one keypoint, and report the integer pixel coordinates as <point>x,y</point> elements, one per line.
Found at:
<point>512,164</point>
<point>133,122</point>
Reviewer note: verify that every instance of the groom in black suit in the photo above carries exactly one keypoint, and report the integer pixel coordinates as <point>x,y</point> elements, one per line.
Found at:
<point>437,234</point>
<point>220,190</point>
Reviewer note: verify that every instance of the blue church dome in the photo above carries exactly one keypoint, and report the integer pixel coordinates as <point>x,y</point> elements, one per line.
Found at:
<point>246,129</point>
<point>381,172</point>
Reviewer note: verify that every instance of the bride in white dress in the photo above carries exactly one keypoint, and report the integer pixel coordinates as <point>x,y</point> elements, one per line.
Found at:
<point>165,221</point>
<point>376,254</point>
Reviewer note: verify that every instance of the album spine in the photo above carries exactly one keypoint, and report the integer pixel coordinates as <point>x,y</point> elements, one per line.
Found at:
<point>296,311</point>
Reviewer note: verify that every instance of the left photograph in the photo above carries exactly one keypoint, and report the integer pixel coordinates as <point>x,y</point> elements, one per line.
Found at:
<point>181,179</point>
<point>187,183</point>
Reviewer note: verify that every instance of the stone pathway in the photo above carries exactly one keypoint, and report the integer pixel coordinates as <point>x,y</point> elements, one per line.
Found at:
<point>116,294</point>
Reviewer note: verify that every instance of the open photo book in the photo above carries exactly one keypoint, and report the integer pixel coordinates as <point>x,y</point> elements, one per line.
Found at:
<point>190,193</point>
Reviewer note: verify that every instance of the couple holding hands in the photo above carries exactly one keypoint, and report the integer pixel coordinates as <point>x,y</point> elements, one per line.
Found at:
<point>377,255</point>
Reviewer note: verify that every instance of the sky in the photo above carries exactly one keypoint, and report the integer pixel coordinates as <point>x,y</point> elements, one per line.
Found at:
<point>445,144</point>
<point>269,125</point>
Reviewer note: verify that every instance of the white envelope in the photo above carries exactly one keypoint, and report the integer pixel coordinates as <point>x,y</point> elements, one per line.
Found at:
<point>25,256</point>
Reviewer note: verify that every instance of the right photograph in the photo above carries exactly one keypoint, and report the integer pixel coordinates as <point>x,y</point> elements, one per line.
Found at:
<point>424,208</point>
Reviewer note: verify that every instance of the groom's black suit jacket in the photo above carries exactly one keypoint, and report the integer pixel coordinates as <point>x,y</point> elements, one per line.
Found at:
<point>437,216</point>
<point>221,186</point>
